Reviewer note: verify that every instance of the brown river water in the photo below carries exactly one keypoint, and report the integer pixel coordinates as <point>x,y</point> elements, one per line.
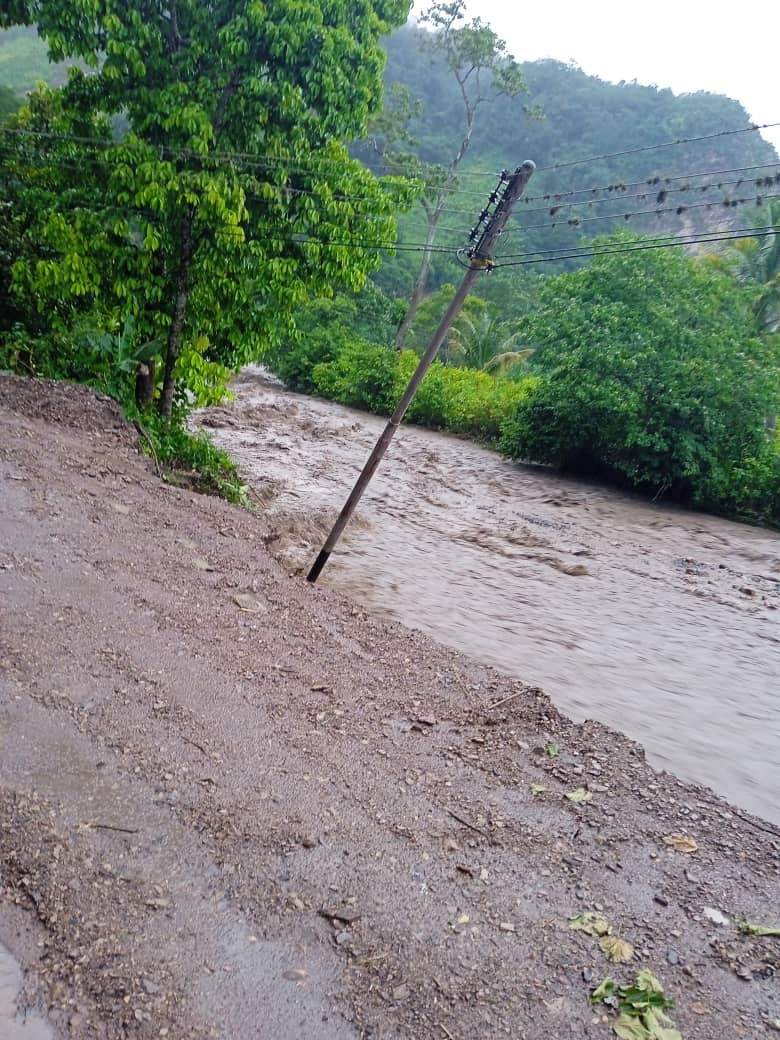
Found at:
<point>662,623</point>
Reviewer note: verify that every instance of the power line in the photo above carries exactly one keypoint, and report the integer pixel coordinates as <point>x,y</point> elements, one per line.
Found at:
<point>634,249</point>
<point>653,181</point>
<point>556,202</point>
<point>671,239</point>
<point>416,247</point>
<point>753,128</point>
<point>297,165</point>
<point>246,159</point>
<point>303,239</point>
<point>575,222</point>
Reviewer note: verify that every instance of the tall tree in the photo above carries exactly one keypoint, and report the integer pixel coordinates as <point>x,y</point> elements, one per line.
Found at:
<point>651,372</point>
<point>483,69</point>
<point>231,198</point>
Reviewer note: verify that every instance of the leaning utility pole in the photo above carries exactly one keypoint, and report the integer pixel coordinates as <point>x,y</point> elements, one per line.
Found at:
<point>480,260</point>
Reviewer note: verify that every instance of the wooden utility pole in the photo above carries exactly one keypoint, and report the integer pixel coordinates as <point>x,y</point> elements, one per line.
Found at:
<point>481,260</point>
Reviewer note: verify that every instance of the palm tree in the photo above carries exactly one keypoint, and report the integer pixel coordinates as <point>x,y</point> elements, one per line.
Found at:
<point>486,343</point>
<point>756,263</point>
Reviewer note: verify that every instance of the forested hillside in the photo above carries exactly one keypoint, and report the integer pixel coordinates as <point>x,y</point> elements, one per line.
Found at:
<point>579,116</point>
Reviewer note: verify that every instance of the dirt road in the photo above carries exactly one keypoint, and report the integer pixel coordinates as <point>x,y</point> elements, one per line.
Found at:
<point>234,806</point>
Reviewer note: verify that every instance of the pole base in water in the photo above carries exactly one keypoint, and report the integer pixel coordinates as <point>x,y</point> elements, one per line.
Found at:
<point>319,563</point>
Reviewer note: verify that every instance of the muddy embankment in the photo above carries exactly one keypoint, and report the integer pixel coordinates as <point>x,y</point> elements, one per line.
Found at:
<point>662,623</point>
<point>233,806</point>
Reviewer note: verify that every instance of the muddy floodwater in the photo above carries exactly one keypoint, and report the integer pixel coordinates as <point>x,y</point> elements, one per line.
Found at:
<point>662,623</point>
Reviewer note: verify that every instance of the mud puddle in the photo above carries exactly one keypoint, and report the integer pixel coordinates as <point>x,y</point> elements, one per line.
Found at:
<point>662,623</point>
<point>13,1026</point>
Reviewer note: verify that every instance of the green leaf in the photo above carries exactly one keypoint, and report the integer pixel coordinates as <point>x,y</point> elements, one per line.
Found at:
<point>590,922</point>
<point>617,950</point>
<point>757,929</point>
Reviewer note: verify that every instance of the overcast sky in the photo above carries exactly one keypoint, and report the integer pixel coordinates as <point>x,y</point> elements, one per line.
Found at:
<point>686,45</point>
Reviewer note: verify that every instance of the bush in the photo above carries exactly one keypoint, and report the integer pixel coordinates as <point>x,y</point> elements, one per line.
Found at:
<point>461,400</point>
<point>191,459</point>
<point>651,375</point>
<point>362,375</point>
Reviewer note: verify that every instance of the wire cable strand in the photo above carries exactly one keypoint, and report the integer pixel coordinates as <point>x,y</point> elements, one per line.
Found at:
<point>557,203</point>
<point>753,128</point>
<point>632,249</point>
<point>671,239</point>
<point>654,180</point>
<point>575,222</point>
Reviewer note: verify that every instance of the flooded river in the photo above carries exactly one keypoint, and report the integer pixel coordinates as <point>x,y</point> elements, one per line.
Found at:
<point>662,623</point>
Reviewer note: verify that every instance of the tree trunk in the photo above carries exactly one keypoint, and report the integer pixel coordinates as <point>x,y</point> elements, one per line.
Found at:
<point>422,280</point>
<point>144,386</point>
<point>180,310</point>
<point>434,216</point>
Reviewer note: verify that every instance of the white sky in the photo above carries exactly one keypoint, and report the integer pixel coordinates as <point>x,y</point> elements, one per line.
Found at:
<point>687,45</point>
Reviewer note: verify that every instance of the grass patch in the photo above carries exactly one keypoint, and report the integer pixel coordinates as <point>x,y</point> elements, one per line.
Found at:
<point>189,459</point>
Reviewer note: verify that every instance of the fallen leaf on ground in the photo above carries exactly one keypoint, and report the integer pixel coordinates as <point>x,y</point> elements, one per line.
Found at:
<point>649,1026</point>
<point>591,923</point>
<point>680,842</point>
<point>641,1007</point>
<point>617,950</point>
<point>757,929</point>
<point>582,794</point>
<point>604,990</point>
<point>552,750</point>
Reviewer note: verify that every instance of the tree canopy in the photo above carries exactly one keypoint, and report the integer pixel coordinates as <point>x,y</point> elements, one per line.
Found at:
<point>651,372</point>
<point>229,198</point>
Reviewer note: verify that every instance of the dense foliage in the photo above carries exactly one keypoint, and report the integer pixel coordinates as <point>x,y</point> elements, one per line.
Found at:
<point>651,373</point>
<point>209,249</point>
<point>355,372</point>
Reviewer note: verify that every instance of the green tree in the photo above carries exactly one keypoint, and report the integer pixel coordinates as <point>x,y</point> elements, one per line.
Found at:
<point>483,70</point>
<point>486,342</point>
<point>47,214</point>
<point>651,374</point>
<point>231,198</point>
